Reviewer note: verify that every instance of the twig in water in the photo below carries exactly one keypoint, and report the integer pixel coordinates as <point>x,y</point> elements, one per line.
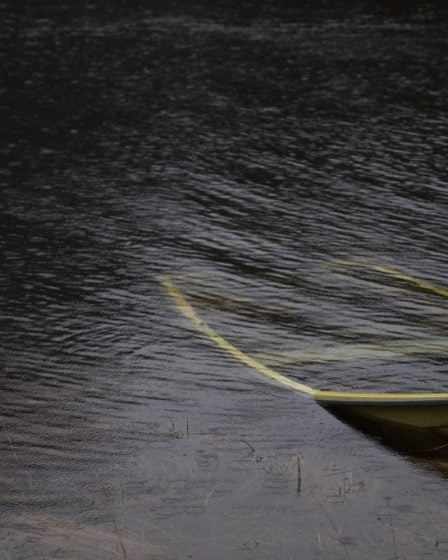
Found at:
<point>172,424</point>
<point>115,526</point>
<point>392,529</point>
<point>429,449</point>
<point>10,443</point>
<point>209,495</point>
<point>333,526</point>
<point>251,446</point>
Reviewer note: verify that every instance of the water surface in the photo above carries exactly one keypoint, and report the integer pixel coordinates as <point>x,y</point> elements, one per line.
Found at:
<point>247,149</point>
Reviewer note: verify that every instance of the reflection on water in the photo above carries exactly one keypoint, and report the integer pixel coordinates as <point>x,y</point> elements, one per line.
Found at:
<point>426,447</point>
<point>243,147</point>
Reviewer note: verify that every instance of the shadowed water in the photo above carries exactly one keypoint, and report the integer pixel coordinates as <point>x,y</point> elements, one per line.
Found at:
<point>247,149</point>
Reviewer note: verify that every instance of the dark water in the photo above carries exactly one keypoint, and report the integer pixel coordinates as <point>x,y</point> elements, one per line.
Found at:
<point>245,147</point>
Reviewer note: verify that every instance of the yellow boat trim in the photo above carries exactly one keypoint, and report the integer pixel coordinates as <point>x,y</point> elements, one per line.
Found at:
<point>427,286</point>
<point>346,352</point>
<point>396,398</point>
<point>187,310</point>
<point>333,397</point>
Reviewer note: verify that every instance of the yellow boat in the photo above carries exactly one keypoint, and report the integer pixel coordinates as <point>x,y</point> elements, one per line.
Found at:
<point>421,410</point>
<point>417,410</point>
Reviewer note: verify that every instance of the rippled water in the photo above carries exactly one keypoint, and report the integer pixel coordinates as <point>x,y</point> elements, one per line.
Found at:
<point>249,150</point>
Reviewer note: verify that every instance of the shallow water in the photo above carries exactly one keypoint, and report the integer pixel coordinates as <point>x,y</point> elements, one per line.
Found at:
<point>247,150</point>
